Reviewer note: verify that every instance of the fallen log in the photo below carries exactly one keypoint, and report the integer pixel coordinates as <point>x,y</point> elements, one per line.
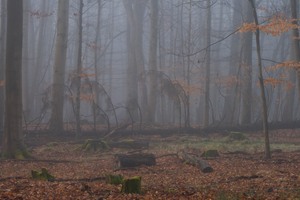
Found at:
<point>195,161</point>
<point>135,160</point>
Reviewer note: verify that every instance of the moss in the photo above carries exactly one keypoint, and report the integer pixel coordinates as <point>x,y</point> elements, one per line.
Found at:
<point>212,153</point>
<point>19,154</point>
<point>94,145</point>
<point>132,185</point>
<point>42,175</point>
<point>236,136</point>
<point>114,179</point>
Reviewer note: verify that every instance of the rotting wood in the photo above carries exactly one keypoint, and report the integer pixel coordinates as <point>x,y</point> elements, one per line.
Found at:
<point>195,161</point>
<point>134,160</point>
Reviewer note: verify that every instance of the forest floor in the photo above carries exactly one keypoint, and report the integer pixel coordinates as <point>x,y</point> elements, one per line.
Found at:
<point>241,172</point>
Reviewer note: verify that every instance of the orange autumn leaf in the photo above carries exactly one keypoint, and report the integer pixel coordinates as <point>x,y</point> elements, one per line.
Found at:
<point>272,81</point>
<point>275,26</point>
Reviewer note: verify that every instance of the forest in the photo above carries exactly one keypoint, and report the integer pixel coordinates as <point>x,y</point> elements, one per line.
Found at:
<point>149,99</point>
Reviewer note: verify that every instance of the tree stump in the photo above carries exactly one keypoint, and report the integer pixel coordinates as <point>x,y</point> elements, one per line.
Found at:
<point>135,160</point>
<point>195,161</point>
<point>132,185</point>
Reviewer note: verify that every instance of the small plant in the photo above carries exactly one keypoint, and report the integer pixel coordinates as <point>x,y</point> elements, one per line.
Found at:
<point>94,145</point>
<point>42,175</point>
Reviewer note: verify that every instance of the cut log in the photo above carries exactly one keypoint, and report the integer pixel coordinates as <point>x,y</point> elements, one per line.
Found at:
<point>195,161</point>
<point>135,160</point>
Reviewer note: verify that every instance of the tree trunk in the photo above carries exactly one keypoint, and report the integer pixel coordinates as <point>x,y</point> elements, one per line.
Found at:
<point>153,61</point>
<point>12,138</point>
<point>296,45</point>
<point>247,70</point>
<point>207,67</point>
<point>2,59</point>
<point>56,120</point>
<point>79,71</point>
<point>135,13</point>
<point>261,84</point>
<point>231,92</point>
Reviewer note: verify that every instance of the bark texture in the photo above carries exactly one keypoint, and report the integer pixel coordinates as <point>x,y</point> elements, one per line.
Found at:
<point>12,143</point>
<point>56,120</point>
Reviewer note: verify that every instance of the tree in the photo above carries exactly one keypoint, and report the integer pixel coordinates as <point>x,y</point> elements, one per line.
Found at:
<point>296,45</point>
<point>12,138</point>
<point>135,14</point>
<point>2,59</point>
<point>153,61</point>
<point>207,66</point>
<point>261,83</point>
<point>56,120</point>
<point>231,92</point>
<point>79,70</point>
<point>246,68</point>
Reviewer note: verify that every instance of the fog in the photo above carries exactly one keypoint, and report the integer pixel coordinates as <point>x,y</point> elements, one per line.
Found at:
<point>169,65</point>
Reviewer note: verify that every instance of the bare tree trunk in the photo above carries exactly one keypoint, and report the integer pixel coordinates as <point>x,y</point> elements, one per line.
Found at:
<point>247,70</point>
<point>79,70</point>
<point>56,120</point>
<point>25,62</point>
<point>135,14</point>
<point>12,142</point>
<point>261,84</point>
<point>296,46</point>
<point>38,63</point>
<point>112,47</point>
<point>231,93</point>
<point>188,73</point>
<point>2,59</point>
<point>290,94</point>
<point>153,61</point>
<point>207,67</point>
<point>96,64</point>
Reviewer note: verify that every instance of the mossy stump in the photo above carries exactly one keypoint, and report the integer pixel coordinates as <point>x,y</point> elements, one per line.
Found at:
<point>132,185</point>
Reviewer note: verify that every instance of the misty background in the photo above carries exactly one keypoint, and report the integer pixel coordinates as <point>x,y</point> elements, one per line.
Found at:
<point>182,63</point>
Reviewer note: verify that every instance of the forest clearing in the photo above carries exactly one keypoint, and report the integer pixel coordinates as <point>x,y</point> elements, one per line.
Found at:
<point>239,172</point>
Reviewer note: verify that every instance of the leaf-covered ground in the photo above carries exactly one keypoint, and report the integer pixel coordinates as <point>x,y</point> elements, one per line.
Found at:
<point>239,173</point>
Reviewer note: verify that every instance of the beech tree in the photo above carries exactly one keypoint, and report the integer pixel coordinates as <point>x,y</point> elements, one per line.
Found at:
<point>261,83</point>
<point>56,120</point>
<point>2,59</point>
<point>135,70</point>
<point>153,61</point>
<point>13,133</point>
